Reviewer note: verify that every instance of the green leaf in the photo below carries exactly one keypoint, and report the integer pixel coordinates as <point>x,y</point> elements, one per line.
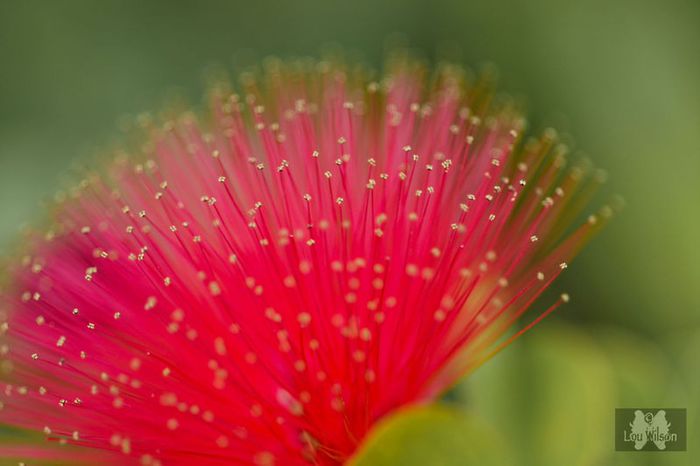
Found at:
<point>431,435</point>
<point>551,395</point>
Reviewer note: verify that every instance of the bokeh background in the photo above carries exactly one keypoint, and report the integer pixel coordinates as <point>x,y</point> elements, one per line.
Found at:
<point>621,78</point>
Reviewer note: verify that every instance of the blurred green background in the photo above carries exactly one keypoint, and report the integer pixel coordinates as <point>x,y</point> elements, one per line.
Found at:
<point>622,77</point>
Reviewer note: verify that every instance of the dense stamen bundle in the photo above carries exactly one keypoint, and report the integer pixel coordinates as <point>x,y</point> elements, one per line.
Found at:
<point>261,286</point>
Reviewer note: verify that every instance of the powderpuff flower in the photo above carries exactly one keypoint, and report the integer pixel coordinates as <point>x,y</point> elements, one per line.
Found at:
<point>262,283</point>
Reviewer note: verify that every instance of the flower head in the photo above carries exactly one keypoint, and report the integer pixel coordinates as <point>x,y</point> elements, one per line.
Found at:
<point>262,284</point>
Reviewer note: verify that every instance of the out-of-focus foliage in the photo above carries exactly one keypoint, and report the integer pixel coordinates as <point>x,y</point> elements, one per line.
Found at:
<point>621,76</point>
<point>553,395</point>
<point>434,435</point>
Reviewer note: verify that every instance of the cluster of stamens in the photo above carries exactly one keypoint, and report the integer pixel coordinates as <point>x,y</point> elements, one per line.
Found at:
<point>262,285</point>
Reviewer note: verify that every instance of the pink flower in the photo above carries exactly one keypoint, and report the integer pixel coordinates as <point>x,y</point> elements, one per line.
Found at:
<point>262,284</point>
